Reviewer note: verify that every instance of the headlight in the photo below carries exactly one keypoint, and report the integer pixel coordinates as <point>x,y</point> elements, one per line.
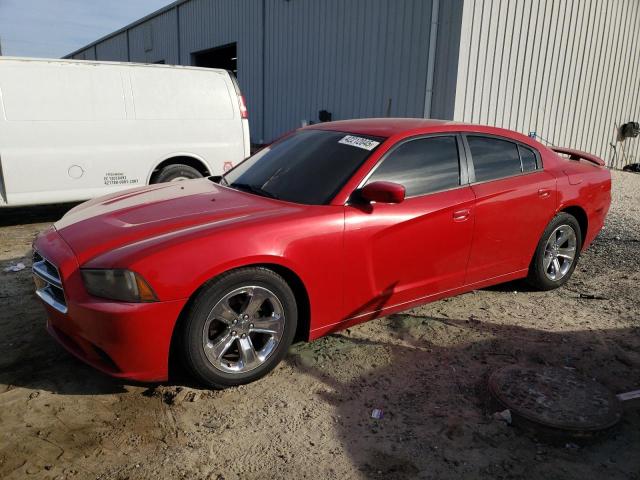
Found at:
<point>123,285</point>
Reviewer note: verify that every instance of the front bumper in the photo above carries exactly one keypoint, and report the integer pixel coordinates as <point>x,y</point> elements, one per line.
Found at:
<point>127,340</point>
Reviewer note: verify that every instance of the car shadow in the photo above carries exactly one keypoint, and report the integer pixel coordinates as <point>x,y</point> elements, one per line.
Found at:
<point>31,358</point>
<point>34,214</point>
<point>437,417</point>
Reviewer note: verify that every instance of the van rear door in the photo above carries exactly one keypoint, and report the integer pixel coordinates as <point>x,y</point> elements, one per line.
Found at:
<point>244,114</point>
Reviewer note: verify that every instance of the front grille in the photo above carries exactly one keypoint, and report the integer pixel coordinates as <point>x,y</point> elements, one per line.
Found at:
<point>48,283</point>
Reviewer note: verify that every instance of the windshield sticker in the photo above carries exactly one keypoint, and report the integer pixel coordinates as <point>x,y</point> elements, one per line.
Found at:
<point>359,142</point>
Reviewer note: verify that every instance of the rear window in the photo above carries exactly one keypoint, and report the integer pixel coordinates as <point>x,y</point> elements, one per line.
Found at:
<point>309,166</point>
<point>494,158</point>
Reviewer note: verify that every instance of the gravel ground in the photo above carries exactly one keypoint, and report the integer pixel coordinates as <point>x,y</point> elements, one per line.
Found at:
<point>311,418</point>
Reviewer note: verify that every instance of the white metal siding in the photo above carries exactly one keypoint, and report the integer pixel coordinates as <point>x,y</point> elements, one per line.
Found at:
<point>566,69</point>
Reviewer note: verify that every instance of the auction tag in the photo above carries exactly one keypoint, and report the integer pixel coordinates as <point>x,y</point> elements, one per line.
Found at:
<point>359,142</point>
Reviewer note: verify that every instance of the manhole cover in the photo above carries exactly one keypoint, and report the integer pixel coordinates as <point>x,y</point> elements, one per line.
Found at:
<point>556,398</point>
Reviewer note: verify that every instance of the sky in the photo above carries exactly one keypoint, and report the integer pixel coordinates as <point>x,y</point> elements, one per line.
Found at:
<point>54,28</point>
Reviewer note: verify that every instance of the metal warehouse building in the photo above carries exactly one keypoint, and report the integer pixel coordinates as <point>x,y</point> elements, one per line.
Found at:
<point>568,70</point>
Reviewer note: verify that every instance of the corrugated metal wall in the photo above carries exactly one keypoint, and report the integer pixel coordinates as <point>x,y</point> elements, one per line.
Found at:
<point>356,58</point>
<point>566,69</point>
<point>113,49</point>
<point>155,40</point>
<point>361,58</point>
<point>207,24</point>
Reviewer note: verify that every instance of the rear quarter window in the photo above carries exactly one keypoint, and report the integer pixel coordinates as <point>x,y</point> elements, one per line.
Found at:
<point>529,159</point>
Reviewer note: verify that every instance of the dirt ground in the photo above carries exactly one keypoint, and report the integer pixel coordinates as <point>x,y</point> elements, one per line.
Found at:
<point>311,418</point>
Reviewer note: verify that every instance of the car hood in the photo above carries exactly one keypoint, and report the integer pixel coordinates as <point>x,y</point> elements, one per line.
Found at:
<point>109,222</point>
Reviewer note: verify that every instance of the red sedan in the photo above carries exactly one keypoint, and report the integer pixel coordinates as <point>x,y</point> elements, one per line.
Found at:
<point>330,226</point>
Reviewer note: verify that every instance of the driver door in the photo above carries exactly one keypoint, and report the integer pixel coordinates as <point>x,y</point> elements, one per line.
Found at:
<point>399,253</point>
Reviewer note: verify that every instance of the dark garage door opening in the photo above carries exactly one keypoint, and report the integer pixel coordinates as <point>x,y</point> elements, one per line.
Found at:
<point>225,57</point>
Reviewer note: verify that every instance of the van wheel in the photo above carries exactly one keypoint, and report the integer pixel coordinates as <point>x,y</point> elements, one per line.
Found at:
<point>176,173</point>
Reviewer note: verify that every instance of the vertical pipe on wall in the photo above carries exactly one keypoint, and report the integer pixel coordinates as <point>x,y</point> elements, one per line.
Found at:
<point>433,38</point>
<point>264,36</point>
<point>178,33</point>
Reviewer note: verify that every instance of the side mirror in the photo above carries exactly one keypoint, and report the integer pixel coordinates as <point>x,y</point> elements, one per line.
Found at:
<point>383,192</point>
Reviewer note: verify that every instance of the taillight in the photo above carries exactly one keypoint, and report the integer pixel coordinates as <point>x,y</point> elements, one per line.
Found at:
<point>244,113</point>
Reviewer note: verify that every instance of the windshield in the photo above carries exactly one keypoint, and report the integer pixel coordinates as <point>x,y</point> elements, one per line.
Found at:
<point>309,166</point>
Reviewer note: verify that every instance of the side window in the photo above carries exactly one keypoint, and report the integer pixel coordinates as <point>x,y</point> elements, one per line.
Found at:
<point>529,160</point>
<point>494,158</point>
<point>422,166</point>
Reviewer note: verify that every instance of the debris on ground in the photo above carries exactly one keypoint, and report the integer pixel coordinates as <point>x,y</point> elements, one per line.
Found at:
<point>377,413</point>
<point>504,415</point>
<point>626,396</point>
<point>592,296</point>
<point>172,395</point>
<point>15,268</point>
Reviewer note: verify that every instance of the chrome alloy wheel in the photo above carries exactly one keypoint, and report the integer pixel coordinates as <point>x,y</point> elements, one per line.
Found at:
<point>559,252</point>
<point>243,329</point>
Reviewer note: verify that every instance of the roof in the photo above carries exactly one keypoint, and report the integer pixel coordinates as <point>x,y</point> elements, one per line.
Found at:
<point>388,127</point>
<point>383,127</point>
<point>154,14</point>
<point>109,62</point>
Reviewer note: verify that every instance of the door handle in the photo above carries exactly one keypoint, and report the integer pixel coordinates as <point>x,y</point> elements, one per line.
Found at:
<point>461,215</point>
<point>544,192</point>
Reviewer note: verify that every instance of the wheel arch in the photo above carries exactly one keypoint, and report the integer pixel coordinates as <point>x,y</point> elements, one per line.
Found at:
<point>582,218</point>
<point>178,158</point>
<point>293,280</point>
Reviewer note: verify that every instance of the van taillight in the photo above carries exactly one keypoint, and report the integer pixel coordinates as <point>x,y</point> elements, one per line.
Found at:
<point>244,113</point>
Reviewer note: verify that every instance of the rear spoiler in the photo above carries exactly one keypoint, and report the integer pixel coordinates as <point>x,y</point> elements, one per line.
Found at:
<point>578,155</point>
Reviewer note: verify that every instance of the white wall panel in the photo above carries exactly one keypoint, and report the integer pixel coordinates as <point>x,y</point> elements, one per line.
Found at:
<point>566,69</point>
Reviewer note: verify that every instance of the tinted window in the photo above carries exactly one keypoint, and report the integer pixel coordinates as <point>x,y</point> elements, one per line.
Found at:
<point>494,158</point>
<point>309,166</point>
<point>422,166</point>
<point>529,161</point>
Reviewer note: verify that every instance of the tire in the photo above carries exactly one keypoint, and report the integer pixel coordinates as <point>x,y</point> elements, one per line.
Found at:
<point>177,172</point>
<point>205,333</point>
<point>544,272</point>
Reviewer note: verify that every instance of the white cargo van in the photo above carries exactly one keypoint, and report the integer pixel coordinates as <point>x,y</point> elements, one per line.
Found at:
<point>71,130</point>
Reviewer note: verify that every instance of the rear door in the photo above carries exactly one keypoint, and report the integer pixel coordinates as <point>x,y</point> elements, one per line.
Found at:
<point>515,199</point>
<point>396,253</point>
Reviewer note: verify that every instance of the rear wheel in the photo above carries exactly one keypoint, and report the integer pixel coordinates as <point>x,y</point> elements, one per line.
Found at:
<point>239,327</point>
<point>557,253</point>
<point>176,173</point>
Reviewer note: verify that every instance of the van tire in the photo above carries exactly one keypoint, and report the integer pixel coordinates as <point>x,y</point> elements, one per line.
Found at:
<point>176,172</point>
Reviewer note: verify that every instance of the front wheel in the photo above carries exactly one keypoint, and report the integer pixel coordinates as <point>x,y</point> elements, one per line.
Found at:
<point>557,253</point>
<point>239,327</point>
